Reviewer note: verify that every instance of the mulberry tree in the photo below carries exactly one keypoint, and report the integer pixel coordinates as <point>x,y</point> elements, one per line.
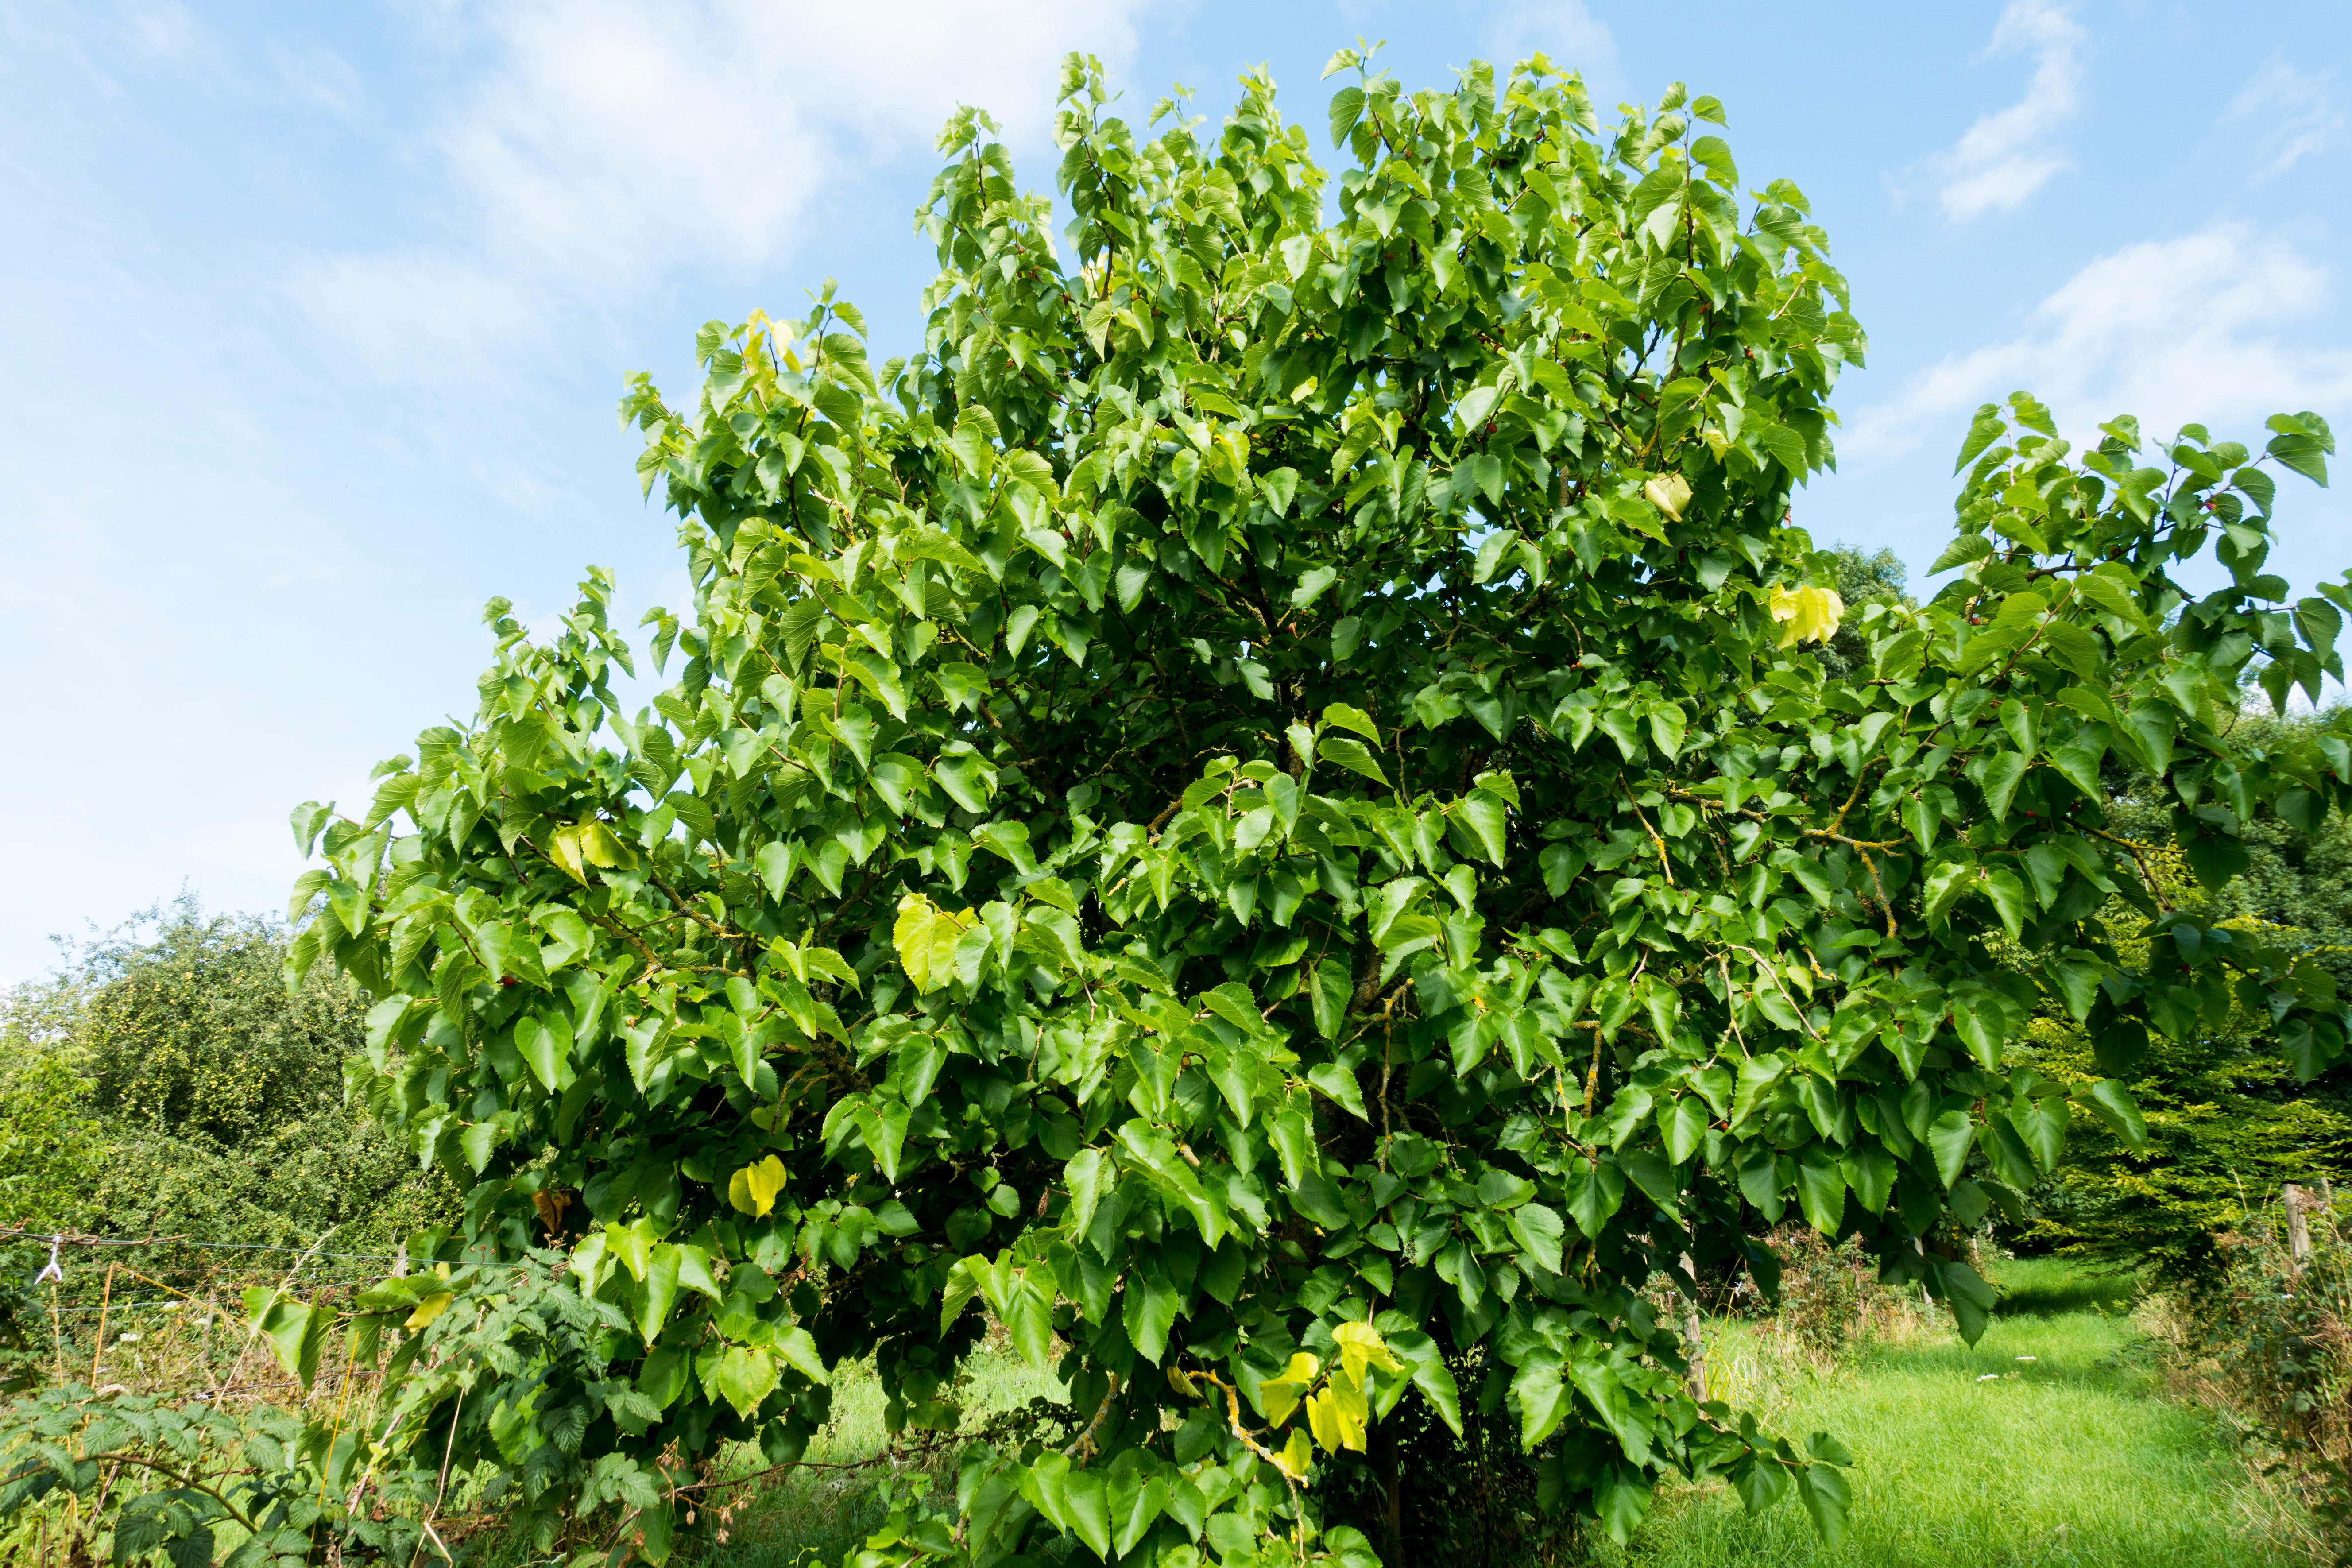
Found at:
<point>1265,811</point>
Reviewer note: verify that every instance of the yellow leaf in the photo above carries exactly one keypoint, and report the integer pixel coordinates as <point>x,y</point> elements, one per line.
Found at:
<point>1669,493</point>
<point>430,1308</point>
<point>926,936</point>
<point>1361,1346</point>
<point>563,846</point>
<point>752,1190</point>
<point>1807,615</point>
<point>1337,1417</point>
<point>1349,1399</point>
<point>1281,1395</point>
<point>1295,1456</point>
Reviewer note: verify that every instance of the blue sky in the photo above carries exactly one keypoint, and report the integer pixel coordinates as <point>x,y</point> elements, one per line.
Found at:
<point>314,317</point>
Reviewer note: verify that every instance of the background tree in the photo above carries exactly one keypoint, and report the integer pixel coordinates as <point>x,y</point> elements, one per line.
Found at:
<point>1266,807</point>
<point>2228,1121</point>
<point>1861,578</point>
<point>166,1082</point>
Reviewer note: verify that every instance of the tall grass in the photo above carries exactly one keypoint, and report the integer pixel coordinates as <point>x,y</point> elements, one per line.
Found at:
<point>2266,1343</point>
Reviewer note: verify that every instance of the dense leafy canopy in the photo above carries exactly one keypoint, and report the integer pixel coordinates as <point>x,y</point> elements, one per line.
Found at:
<point>2228,1122</point>
<point>165,1082</point>
<point>1268,807</point>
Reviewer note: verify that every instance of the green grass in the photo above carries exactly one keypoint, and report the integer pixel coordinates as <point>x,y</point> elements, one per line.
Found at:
<point>2070,1460</point>
<point>2073,1459</point>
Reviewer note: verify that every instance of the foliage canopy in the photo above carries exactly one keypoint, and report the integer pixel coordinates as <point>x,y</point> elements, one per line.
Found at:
<point>2228,1122</point>
<point>1267,807</point>
<point>165,1081</point>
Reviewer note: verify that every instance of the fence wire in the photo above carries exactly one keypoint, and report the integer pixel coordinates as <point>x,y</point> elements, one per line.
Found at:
<point>166,1315</point>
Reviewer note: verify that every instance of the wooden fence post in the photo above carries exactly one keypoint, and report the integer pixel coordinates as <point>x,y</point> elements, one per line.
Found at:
<point>2298,1223</point>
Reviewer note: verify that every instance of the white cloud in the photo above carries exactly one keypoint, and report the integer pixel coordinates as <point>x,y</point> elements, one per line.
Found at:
<point>2008,155</point>
<point>2296,113</point>
<point>420,317</point>
<point>165,31</point>
<point>2214,326</point>
<point>608,145</point>
<point>1567,30</point>
<point>318,76</point>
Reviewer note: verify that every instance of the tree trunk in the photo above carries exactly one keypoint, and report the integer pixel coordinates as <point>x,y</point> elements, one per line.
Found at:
<point>1384,1465</point>
<point>1694,1346</point>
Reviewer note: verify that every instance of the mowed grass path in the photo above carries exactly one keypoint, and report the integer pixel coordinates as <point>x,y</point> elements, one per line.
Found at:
<point>2070,1460</point>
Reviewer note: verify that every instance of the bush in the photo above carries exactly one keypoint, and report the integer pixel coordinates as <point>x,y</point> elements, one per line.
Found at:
<point>2267,1336</point>
<point>168,1082</point>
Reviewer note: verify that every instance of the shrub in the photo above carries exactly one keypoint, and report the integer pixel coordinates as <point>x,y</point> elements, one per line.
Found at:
<point>167,1082</point>
<point>2268,1337</point>
<point>2225,1115</point>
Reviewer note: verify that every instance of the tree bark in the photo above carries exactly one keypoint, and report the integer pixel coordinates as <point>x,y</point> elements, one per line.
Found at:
<point>1693,1345</point>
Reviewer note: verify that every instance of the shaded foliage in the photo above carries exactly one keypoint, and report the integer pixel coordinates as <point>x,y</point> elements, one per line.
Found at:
<point>2229,1122</point>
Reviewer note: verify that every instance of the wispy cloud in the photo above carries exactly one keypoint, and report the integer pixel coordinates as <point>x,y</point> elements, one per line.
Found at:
<point>606,145</point>
<point>2007,156</point>
<point>319,77</point>
<point>2294,112</point>
<point>1566,30</point>
<point>2212,326</point>
<point>163,30</point>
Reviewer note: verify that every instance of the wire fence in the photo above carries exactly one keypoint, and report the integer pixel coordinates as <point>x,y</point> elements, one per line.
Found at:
<point>166,1315</point>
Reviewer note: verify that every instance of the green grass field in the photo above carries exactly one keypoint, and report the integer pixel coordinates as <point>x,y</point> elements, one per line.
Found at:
<point>2070,1460</point>
<point>1966,1458</point>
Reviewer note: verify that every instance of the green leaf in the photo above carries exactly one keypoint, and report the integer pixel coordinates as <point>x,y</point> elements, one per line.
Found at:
<point>1950,1138</point>
<point>1970,1298</point>
<point>1341,1086</point>
<point>1352,755</point>
<point>1683,1123</point>
<point>660,1291</point>
<point>295,1329</point>
<point>1331,990</point>
<point>308,818</point>
<point>1595,1191</point>
<point>546,1046</point>
<point>2215,859</point>
<point>1543,1400</point>
<point>2302,453</point>
<point>1488,819</point>
<point>1821,1189</point>
<point>2114,1106</point>
<point>1827,1498</point>
<point>1347,108</point>
<point>1540,1233</point>
<point>2008,899</point>
<point>744,1377</point>
<point>2002,772</point>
